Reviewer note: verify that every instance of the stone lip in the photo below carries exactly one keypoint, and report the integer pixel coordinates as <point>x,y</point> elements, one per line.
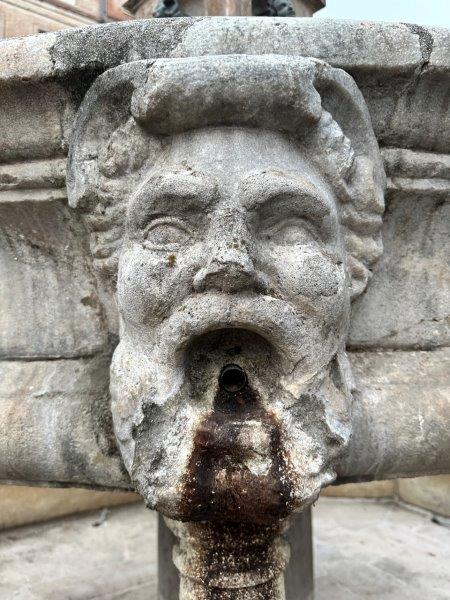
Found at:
<point>401,69</point>
<point>397,47</point>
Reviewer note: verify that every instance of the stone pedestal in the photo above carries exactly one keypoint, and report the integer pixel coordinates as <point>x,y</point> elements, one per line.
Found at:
<point>299,574</point>
<point>168,576</point>
<point>299,577</point>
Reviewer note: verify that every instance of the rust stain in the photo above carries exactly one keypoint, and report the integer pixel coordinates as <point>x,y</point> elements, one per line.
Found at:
<point>171,260</point>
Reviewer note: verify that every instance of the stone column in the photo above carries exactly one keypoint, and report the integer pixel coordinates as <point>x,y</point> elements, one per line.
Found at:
<point>298,576</point>
<point>230,561</point>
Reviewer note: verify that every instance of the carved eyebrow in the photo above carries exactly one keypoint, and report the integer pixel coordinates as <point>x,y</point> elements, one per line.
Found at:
<point>182,190</point>
<point>181,184</point>
<point>259,188</point>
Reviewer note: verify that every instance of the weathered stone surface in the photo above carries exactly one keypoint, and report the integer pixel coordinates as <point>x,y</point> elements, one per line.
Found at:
<point>31,175</point>
<point>401,69</point>
<point>411,383</point>
<point>49,303</point>
<point>33,120</point>
<point>408,301</point>
<point>55,425</point>
<point>402,164</point>
<point>407,304</point>
<point>75,56</point>
<point>236,202</point>
<point>323,40</point>
<point>27,59</point>
<point>217,227</point>
<point>191,290</point>
<point>440,52</point>
<point>400,415</point>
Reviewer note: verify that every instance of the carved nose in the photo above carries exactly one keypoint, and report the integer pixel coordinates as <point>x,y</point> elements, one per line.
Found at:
<point>229,270</point>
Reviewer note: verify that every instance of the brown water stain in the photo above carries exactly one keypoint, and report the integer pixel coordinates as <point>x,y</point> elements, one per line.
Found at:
<point>219,486</point>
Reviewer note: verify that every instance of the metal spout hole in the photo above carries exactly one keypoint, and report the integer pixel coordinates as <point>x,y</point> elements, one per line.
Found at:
<point>232,378</point>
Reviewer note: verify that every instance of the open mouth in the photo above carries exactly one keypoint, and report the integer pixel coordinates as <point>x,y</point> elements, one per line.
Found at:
<point>274,320</point>
<point>217,433</point>
<point>229,360</point>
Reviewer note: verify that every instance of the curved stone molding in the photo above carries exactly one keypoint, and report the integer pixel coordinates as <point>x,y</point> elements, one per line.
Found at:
<point>384,381</point>
<point>49,301</point>
<point>56,427</point>
<point>402,72</point>
<point>408,81</point>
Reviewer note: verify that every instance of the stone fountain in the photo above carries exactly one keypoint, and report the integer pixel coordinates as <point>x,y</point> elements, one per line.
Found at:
<point>232,294</point>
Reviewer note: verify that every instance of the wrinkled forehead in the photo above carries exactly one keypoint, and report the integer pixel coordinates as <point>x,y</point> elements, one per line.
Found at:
<point>230,153</point>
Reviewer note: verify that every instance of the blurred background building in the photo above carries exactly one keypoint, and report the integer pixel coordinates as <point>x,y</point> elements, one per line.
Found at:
<point>28,17</point>
<point>144,9</point>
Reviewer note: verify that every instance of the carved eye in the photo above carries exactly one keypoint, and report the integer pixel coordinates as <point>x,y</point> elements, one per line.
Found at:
<point>167,233</point>
<point>291,232</point>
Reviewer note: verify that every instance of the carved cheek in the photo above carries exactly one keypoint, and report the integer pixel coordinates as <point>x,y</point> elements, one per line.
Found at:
<point>151,284</point>
<point>306,271</point>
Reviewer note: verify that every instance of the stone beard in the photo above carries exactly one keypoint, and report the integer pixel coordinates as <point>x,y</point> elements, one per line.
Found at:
<point>235,247</point>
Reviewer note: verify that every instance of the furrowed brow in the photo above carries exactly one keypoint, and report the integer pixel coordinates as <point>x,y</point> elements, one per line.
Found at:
<point>181,189</point>
<point>261,188</point>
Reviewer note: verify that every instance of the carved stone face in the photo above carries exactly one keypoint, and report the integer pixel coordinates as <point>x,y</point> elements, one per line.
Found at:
<point>232,254</point>
<point>235,213</point>
<point>238,200</point>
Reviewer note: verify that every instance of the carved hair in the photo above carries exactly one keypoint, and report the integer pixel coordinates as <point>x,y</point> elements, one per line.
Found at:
<point>130,110</point>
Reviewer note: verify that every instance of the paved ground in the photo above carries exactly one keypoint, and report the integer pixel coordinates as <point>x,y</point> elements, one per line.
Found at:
<point>362,550</point>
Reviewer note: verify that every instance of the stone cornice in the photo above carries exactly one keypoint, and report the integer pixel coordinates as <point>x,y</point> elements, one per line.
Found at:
<point>59,54</point>
<point>423,173</point>
<point>403,71</point>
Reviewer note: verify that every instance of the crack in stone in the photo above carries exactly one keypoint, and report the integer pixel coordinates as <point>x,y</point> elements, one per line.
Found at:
<point>426,43</point>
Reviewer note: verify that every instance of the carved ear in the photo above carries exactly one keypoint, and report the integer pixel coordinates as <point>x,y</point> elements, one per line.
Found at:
<point>362,220</point>
<point>108,149</point>
<point>342,98</point>
<point>104,114</point>
<point>362,204</point>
